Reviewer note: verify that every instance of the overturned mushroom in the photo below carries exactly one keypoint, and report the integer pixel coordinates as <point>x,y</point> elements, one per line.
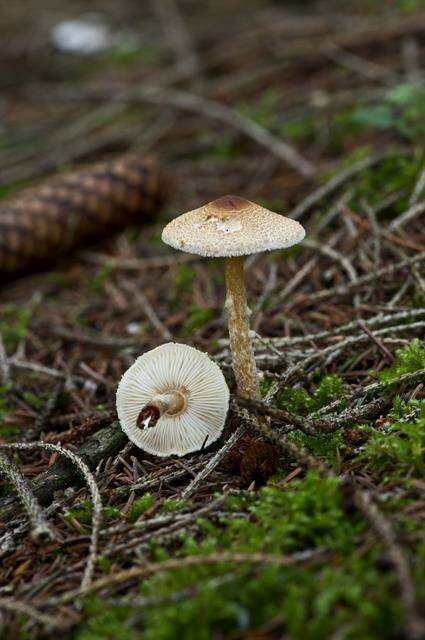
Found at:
<point>232,227</point>
<point>172,400</point>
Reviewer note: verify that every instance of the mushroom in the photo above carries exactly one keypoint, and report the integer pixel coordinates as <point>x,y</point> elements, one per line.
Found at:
<point>172,400</point>
<point>232,227</point>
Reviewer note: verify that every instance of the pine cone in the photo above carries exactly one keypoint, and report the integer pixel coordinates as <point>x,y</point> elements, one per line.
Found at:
<point>67,211</point>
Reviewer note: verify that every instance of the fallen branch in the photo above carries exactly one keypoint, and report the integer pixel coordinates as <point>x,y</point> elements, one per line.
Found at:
<point>136,573</point>
<point>40,529</point>
<point>96,498</point>
<point>230,117</point>
<point>214,462</point>
<point>104,443</point>
<point>23,608</point>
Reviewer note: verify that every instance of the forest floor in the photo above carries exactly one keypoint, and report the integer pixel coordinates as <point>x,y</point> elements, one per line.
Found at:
<point>311,528</point>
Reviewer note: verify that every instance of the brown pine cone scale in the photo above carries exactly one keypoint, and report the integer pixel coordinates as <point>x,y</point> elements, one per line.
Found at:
<point>67,211</point>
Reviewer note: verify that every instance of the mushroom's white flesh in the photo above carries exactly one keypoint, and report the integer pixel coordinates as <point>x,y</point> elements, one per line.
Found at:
<point>169,377</point>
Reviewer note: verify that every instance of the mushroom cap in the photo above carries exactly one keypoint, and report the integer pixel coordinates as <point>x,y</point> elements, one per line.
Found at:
<point>173,367</point>
<point>231,226</point>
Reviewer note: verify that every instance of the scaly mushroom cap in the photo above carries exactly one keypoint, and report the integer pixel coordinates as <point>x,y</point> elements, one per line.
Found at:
<point>231,226</point>
<point>174,367</point>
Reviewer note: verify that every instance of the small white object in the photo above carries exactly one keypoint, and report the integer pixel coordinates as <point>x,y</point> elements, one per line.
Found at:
<point>134,328</point>
<point>90,386</point>
<point>174,369</point>
<point>84,36</point>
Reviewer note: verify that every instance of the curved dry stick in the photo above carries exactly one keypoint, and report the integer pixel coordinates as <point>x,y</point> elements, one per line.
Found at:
<point>40,528</point>
<point>96,498</point>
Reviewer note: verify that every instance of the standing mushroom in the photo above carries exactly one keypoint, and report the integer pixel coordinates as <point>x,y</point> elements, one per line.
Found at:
<point>173,400</point>
<point>232,227</point>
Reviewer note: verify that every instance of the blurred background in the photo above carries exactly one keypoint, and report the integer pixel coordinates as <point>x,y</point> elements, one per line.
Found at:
<point>332,79</point>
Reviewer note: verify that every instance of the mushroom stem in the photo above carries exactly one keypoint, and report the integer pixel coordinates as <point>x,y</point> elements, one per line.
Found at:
<point>244,366</point>
<point>170,403</point>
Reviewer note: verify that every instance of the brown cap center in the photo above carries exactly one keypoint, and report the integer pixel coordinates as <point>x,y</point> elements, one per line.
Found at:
<point>230,203</point>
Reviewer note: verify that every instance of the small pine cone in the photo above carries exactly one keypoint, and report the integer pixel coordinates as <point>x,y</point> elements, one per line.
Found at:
<point>252,459</point>
<point>259,463</point>
<point>71,209</point>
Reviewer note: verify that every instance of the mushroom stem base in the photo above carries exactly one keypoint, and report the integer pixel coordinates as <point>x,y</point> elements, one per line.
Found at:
<point>171,403</point>
<point>244,366</point>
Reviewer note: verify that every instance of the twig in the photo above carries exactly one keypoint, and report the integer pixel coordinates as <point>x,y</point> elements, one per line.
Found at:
<point>371,213</point>
<point>135,573</point>
<point>227,115</point>
<point>415,625</point>
<point>384,233</point>
<point>176,33</point>
<point>332,184</point>
<point>40,368</point>
<point>148,309</point>
<point>158,480</point>
<point>5,377</point>
<point>215,460</point>
<point>345,289</point>
<point>334,255</point>
<point>364,67</point>
<point>312,426</point>
<point>418,188</point>
<point>139,264</point>
<point>387,353</point>
<point>41,530</point>
<point>345,328</point>
<point>407,216</point>
<point>96,498</point>
<point>374,387</point>
<point>334,350</point>
<point>23,608</point>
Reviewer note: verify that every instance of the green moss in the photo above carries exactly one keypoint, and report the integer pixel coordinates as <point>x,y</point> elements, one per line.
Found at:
<point>98,281</point>
<point>345,591</point>
<point>401,407</point>
<point>107,623</point>
<point>398,450</point>
<point>83,512</point>
<point>264,109</point>
<point>182,279</point>
<point>171,504</point>
<point>300,130</point>
<point>6,429</point>
<point>222,147</point>
<point>323,445</point>
<point>139,506</point>
<point>410,5</point>
<point>393,173</point>
<point>33,400</point>
<point>409,359</point>
<point>196,318</point>
<point>297,400</point>
<point>14,324</point>
<point>104,564</point>
<point>132,54</point>
<point>401,111</point>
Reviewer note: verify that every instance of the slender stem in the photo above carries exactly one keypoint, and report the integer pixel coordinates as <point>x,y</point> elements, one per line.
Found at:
<point>240,343</point>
